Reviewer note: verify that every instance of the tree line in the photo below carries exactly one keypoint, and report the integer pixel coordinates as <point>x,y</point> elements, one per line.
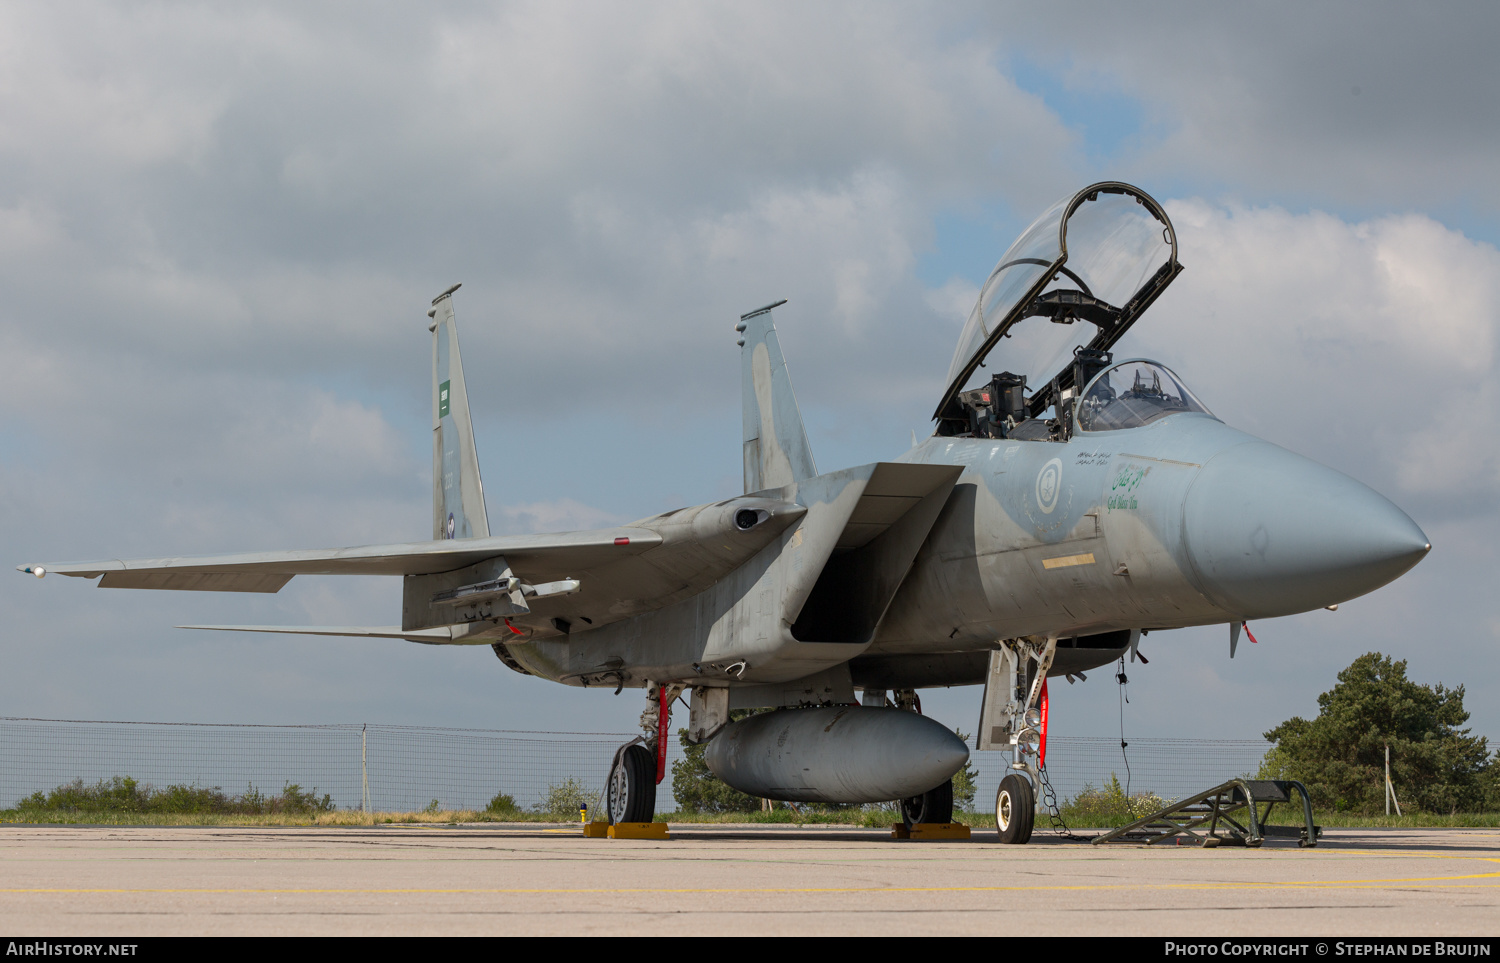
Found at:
<point>1437,765</point>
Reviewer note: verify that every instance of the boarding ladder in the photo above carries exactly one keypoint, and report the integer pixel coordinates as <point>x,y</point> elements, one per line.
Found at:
<point>1225,815</point>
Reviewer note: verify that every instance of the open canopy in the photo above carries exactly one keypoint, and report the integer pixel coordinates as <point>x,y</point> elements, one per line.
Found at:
<point>1079,276</point>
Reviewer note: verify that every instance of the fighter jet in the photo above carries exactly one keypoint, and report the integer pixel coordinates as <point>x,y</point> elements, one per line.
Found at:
<point>1068,501</point>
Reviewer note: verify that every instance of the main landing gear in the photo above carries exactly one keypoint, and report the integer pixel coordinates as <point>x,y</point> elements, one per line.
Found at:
<point>933,806</point>
<point>630,793</point>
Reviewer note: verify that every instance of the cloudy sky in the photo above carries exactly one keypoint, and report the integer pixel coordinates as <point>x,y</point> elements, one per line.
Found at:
<point>221,224</point>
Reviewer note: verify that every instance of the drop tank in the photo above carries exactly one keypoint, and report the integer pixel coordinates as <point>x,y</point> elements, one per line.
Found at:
<point>838,754</point>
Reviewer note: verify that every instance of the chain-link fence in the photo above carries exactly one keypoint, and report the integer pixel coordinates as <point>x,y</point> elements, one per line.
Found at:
<point>1169,768</point>
<point>404,768</point>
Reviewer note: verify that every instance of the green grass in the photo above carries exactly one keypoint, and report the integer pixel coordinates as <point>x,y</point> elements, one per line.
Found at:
<point>345,817</point>
<point>870,818</point>
<point>337,817</point>
<point>864,818</point>
<point>1409,821</point>
<point>122,801</point>
<point>1327,820</point>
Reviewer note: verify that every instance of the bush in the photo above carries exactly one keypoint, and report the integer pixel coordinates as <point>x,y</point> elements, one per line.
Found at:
<point>1109,804</point>
<point>965,782</point>
<point>123,794</point>
<point>565,798</point>
<point>294,800</point>
<point>502,803</point>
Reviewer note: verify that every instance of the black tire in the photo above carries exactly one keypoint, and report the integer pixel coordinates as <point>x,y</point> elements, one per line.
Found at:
<point>631,796</point>
<point>1015,809</point>
<point>933,806</point>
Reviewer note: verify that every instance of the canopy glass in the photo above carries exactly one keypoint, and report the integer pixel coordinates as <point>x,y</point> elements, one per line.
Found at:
<point>1134,393</point>
<point>1078,276</point>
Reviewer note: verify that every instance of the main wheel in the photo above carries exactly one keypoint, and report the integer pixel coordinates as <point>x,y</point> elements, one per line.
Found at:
<point>632,787</point>
<point>933,806</point>
<point>1015,809</point>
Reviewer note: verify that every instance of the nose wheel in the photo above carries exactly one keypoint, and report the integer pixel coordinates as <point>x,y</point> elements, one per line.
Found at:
<point>1015,809</point>
<point>933,806</point>
<point>631,793</point>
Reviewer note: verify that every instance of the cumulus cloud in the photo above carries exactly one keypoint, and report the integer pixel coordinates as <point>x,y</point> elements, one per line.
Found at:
<point>561,515</point>
<point>1370,345</point>
<point>1379,105</point>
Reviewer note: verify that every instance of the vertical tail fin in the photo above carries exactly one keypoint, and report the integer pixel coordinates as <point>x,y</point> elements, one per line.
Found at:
<point>776,448</point>
<point>457,494</point>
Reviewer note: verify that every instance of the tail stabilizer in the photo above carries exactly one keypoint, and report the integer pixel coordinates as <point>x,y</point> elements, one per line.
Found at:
<point>776,448</point>
<point>457,493</point>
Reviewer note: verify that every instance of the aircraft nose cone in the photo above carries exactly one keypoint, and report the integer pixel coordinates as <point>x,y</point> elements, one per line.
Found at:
<point>1272,533</point>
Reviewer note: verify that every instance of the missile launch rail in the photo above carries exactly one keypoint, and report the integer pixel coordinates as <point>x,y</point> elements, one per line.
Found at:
<point>1228,811</point>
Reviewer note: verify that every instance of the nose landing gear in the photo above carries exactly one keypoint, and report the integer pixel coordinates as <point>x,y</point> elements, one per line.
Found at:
<point>1015,809</point>
<point>1014,717</point>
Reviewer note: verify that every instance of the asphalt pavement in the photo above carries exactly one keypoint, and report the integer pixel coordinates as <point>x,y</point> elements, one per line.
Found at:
<point>730,880</point>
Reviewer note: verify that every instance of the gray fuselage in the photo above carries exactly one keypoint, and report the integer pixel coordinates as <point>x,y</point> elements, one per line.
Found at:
<point>1183,521</point>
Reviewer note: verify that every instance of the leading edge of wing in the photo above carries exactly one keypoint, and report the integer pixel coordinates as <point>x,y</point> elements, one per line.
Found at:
<point>441,635</point>
<point>269,571</point>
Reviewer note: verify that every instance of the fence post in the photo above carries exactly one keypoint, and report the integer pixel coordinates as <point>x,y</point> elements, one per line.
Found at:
<point>364,772</point>
<point>1390,787</point>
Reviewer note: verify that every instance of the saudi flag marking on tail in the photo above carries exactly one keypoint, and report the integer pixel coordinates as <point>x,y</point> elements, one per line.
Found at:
<point>443,399</point>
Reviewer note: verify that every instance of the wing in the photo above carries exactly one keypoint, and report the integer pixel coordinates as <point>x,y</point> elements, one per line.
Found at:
<point>269,571</point>
<point>443,635</point>
<point>609,573</point>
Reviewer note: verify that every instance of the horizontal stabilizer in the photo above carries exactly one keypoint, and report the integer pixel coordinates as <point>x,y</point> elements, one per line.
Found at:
<point>442,635</point>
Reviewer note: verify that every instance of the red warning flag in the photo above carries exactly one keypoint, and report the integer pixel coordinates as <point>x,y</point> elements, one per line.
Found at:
<point>1041,751</point>
<point>663,715</point>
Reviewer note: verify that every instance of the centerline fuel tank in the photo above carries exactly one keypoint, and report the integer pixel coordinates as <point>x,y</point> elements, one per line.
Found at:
<point>837,754</point>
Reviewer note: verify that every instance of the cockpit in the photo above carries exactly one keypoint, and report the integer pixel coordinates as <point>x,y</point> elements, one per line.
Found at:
<point>1133,394</point>
<point>1069,287</point>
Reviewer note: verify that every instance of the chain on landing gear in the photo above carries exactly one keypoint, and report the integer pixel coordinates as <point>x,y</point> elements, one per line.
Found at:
<point>1054,813</point>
